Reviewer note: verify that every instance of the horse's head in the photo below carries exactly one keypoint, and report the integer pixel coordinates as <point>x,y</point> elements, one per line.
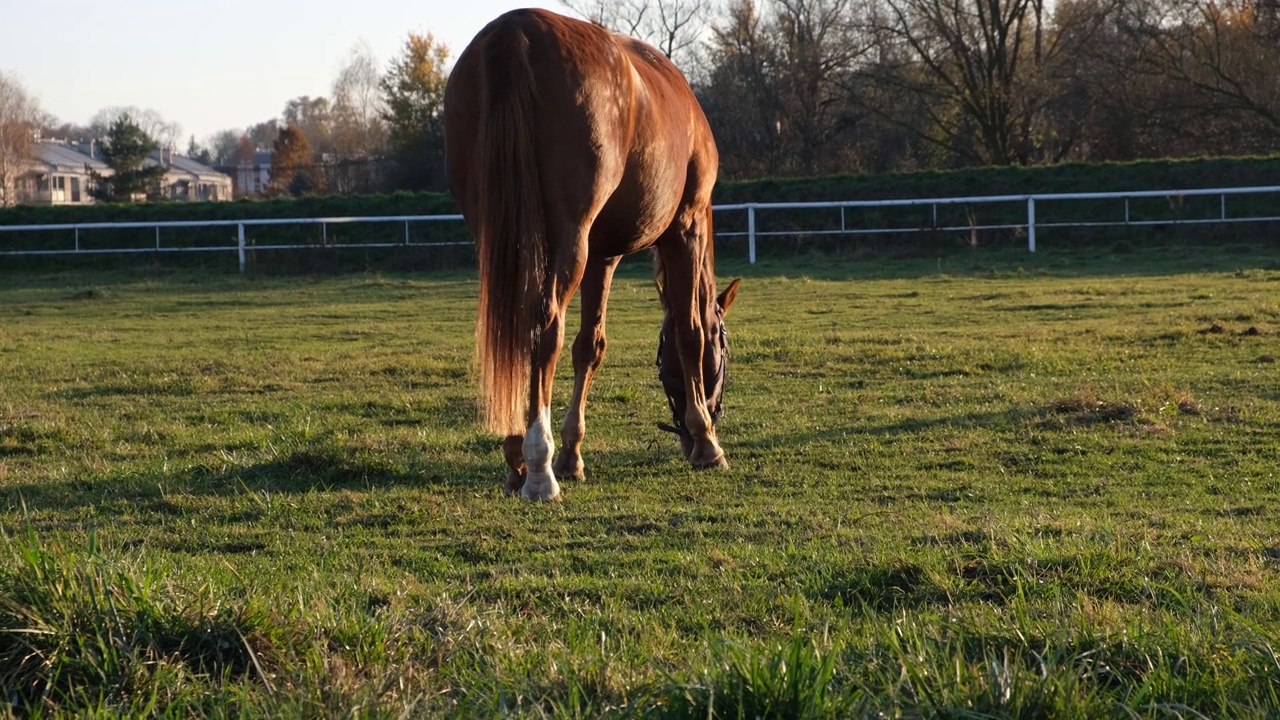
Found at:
<point>715,365</point>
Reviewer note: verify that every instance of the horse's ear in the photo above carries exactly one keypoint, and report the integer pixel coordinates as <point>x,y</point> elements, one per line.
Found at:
<point>726,298</point>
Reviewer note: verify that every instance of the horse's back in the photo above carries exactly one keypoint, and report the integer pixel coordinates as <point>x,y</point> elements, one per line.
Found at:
<point>618,136</point>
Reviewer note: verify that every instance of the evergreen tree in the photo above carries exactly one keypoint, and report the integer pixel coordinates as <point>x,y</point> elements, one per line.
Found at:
<point>126,151</point>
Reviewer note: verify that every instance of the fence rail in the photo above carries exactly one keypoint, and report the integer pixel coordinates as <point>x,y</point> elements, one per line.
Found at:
<point>1013,212</point>
<point>1175,199</point>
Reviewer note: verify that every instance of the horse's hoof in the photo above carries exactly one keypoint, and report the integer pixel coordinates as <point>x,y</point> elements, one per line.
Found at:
<point>515,481</point>
<point>569,468</point>
<point>716,463</point>
<point>540,488</point>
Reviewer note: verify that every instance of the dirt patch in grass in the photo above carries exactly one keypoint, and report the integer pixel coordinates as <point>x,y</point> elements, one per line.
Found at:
<point>1084,407</point>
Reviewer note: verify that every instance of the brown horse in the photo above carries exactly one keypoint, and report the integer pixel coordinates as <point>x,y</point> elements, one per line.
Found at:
<point>568,148</point>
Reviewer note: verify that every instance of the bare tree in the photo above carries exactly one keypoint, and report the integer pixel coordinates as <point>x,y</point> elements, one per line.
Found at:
<point>775,89</point>
<point>740,93</point>
<point>166,134</point>
<point>20,116</point>
<point>358,129</point>
<point>1218,58</point>
<point>223,147</point>
<point>988,69</point>
<point>675,27</point>
<point>819,44</point>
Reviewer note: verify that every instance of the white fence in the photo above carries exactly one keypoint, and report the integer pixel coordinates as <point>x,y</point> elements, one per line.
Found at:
<point>1172,209</point>
<point>239,245</point>
<point>1174,201</point>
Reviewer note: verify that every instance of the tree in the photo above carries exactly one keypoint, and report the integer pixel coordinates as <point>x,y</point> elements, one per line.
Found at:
<point>740,95</point>
<point>20,116</point>
<point>125,150</point>
<point>164,133</point>
<point>358,129</point>
<point>224,147</point>
<point>675,27</point>
<point>413,96</point>
<point>262,135</point>
<point>199,153</point>
<point>314,117</point>
<point>1217,59</point>
<point>292,163</point>
<point>775,91</point>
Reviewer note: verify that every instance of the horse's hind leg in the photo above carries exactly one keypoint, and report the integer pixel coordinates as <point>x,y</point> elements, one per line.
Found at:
<point>588,353</point>
<point>564,273</point>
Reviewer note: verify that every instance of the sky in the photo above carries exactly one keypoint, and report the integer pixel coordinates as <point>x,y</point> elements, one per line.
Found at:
<point>212,66</point>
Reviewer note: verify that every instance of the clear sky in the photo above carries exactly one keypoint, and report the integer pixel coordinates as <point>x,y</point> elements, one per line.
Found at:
<point>212,66</point>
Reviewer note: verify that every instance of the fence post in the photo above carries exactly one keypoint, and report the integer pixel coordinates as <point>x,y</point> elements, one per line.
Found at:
<point>1031,224</point>
<point>751,234</point>
<point>240,245</point>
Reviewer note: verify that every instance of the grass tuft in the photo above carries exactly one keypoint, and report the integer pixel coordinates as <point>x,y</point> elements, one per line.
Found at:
<point>795,680</point>
<point>77,628</point>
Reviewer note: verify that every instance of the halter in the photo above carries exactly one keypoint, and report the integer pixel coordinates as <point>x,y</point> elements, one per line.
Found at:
<point>677,426</point>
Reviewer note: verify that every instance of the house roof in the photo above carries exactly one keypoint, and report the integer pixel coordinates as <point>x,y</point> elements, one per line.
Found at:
<point>63,157</point>
<point>183,164</point>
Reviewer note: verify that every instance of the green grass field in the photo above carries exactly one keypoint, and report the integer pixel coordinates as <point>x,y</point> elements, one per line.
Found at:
<point>1035,486</point>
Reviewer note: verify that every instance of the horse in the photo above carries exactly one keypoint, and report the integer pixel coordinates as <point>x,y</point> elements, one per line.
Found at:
<point>567,148</point>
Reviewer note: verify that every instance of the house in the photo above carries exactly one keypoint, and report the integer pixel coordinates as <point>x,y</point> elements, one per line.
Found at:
<point>252,176</point>
<point>186,179</point>
<point>58,174</point>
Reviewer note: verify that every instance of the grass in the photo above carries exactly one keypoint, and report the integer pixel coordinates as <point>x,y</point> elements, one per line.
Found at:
<point>977,486</point>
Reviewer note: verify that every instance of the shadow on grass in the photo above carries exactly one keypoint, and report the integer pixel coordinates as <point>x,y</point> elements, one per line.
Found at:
<point>308,468</point>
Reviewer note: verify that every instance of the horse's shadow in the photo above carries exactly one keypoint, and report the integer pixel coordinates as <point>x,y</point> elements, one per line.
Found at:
<point>308,468</point>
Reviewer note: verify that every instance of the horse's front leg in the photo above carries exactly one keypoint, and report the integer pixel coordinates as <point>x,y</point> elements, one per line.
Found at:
<point>588,354</point>
<point>683,268</point>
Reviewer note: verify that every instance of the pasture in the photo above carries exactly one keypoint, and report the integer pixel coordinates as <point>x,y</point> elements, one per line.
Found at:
<point>1041,486</point>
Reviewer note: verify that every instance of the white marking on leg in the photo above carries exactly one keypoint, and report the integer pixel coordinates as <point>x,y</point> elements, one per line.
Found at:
<point>540,482</point>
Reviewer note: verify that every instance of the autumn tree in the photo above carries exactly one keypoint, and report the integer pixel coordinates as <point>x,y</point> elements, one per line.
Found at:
<point>19,118</point>
<point>293,164</point>
<point>314,117</point>
<point>413,96</point>
<point>126,149</point>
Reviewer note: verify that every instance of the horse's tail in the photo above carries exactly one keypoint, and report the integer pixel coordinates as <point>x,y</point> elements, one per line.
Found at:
<point>511,237</point>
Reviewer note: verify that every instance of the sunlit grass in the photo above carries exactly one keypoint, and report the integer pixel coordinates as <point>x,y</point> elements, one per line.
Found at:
<point>1022,487</point>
